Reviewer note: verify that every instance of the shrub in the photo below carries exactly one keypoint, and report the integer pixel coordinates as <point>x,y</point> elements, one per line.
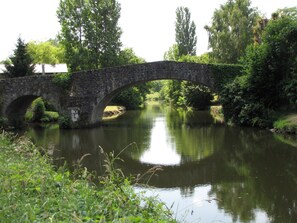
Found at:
<point>50,116</point>
<point>131,98</point>
<point>64,122</point>
<point>196,96</point>
<point>290,91</point>
<point>38,110</point>
<point>63,80</point>
<point>3,121</point>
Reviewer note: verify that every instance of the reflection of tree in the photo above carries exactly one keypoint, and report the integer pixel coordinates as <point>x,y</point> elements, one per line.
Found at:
<point>187,191</point>
<point>235,199</point>
<point>45,136</point>
<point>270,173</point>
<point>194,134</point>
<point>248,169</point>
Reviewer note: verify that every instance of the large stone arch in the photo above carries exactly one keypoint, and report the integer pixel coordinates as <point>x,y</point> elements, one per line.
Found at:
<point>99,86</point>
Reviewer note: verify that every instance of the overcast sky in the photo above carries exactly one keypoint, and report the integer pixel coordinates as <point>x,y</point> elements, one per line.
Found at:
<point>147,25</point>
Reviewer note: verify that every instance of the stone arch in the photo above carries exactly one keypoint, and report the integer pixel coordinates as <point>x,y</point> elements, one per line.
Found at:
<point>16,94</point>
<point>99,86</point>
<point>98,109</point>
<point>15,109</point>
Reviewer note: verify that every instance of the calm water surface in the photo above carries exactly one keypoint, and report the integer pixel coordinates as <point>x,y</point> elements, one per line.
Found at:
<point>211,172</point>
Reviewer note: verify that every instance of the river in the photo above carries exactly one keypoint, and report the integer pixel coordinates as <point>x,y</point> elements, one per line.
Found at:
<point>210,172</point>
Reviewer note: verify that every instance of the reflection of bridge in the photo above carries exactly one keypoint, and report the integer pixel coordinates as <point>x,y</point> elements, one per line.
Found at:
<point>90,91</point>
<point>211,170</point>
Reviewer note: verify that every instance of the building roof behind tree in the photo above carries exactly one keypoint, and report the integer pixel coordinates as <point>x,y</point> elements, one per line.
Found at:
<point>48,68</point>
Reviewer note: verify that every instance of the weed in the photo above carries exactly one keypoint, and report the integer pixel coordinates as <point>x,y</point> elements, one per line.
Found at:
<point>32,191</point>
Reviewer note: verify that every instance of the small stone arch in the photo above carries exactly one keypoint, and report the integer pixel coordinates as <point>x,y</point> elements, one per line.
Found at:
<point>16,94</point>
<point>16,109</point>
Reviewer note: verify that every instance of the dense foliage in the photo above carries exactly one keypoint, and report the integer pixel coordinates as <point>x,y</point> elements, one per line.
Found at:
<point>269,77</point>
<point>90,33</point>
<point>231,30</point>
<point>41,111</point>
<point>20,63</point>
<point>32,191</point>
<point>91,38</point>
<point>225,73</point>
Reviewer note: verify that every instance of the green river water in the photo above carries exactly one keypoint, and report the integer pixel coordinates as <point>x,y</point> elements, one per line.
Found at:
<point>210,172</point>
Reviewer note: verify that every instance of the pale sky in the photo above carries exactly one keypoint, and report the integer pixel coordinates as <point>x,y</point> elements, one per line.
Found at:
<point>147,25</point>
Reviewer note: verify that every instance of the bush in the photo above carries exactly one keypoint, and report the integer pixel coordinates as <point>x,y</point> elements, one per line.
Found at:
<point>38,110</point>
<point>64,122</point>
<point>131,98</point>
<point>63,80</point>
<point>3,121</point>
<point>50,116</point>
<point>196,96</point>
<point>290,91</point>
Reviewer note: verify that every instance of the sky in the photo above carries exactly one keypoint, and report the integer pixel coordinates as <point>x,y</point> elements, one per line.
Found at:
<point>148,25</point>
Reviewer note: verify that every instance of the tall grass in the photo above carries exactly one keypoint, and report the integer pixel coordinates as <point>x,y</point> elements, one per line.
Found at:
<point>32,191</point>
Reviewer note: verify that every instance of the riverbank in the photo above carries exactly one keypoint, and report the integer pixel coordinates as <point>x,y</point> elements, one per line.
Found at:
<point>286,124</point>
<point>32,191</point>
<point>217,113</point>
<point>111,112</point>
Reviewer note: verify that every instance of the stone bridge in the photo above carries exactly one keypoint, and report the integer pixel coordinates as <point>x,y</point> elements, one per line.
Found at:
<point>90,91</point>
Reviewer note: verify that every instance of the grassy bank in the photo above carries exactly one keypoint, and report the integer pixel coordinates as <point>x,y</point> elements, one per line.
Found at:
<point>111,112</point>
<point>286,124</point>
<point>32,191</point>
<point>217,113</point>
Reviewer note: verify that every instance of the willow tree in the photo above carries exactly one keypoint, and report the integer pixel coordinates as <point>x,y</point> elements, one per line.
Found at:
<point>49,52</point>
<point>90,32</point>
<point>231,30</point>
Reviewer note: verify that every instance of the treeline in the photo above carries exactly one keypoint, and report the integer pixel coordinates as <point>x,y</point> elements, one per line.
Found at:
<point>238,34</point>
<point>268,84</point>
<point>230,32</point>
<point>265,48</point>
<point>89,39</point>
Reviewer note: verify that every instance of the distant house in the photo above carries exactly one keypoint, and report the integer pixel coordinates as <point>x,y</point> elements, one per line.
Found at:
<point>2,69</point>
<point>51,69</point>
<point>42,69</point>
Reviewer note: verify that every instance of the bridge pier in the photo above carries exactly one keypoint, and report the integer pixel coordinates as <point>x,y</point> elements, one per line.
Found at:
<point>82,112</point>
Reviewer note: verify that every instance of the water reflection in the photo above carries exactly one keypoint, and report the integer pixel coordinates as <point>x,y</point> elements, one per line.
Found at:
<point>210,172</point>
<point>161,147</point>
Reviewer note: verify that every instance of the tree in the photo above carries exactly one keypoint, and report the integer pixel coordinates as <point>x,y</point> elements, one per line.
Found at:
<point>185,32</point>
<point>184,50</point>
<point>128,56</point>
<point>20,63</point>
<point>231,30</point>
<point>90,33</point>
<point>71,15</point>
<point>172,54</point>
<point>48,52</point>
<point>269,80</point>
